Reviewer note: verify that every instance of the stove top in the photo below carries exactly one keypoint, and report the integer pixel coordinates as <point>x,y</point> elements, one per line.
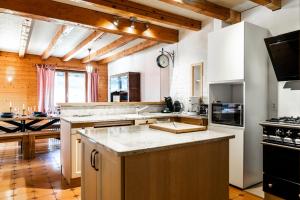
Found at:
<point>283,130</point>
<point>288,120</point>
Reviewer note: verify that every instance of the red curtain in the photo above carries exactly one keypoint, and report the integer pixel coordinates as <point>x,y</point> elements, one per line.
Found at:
<point>93,79</point>
<point>45,78</point>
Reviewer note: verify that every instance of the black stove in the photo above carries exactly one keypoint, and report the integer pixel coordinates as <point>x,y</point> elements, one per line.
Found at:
<point>282,131</point>
<point>281,157</point>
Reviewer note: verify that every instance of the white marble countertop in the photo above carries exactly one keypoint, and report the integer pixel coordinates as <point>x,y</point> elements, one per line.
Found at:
<point>102,118</point>
<point>128,140</point>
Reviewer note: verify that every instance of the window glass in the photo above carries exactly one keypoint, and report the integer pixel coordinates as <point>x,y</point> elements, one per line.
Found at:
<point>76,87</point>
<point>59,88</point>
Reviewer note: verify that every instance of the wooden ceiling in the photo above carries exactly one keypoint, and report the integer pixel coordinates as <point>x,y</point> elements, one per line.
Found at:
<point>129,19</point>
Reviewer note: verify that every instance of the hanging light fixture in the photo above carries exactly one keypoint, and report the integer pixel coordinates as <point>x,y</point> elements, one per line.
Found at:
<point>89,67</point>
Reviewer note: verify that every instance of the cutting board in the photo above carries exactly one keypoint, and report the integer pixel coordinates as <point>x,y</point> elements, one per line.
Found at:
<point>177,127</point>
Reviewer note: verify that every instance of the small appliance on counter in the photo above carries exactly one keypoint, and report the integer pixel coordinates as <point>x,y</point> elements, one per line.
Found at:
<point>7,115</point>
<point>194,105</point>
<point>169,105</point>
<point>228,114</point>
<point>281,157</point>
<point>203,111</point>
<point>178,107</point>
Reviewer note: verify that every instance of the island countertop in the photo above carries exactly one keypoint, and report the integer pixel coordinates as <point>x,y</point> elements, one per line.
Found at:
<point>128,140</point>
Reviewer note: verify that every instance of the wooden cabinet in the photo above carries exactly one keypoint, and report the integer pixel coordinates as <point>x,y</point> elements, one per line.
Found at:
<point>125,87</point>
<point>190,172</point>
<point>101,173</point>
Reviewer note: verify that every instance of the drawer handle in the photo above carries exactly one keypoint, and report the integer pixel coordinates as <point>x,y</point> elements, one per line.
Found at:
<point>270,185</point>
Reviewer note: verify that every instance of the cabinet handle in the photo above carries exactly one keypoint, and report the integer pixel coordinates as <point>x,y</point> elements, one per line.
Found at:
<point>270,185</point>
<point>91,158</point>
<point>96,153</point>
<point>79,140</point>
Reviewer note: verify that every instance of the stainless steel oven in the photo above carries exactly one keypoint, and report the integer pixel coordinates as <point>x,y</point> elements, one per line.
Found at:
<point>228,114</point>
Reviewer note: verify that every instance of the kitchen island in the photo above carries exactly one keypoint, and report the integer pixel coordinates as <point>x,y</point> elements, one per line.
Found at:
<point>136,162</point>
<point>71,140</point>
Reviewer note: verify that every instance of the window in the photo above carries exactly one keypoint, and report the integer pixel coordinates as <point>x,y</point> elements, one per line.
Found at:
<point>70,87</point>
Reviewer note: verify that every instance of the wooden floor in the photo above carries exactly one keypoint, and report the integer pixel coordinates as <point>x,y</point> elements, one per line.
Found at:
<point>40,178</point>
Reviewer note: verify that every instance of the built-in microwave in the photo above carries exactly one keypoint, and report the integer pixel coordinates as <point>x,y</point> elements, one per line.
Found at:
<point>228,114</point>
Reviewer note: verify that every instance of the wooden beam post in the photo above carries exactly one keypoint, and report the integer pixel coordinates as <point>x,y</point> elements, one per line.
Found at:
<point>271,4</point>
<point>110,47</point>
<point>142,46</point>
<point>49,10</point>
<point>127,9</point>
<point>209,9</point>
<point>87,41</point>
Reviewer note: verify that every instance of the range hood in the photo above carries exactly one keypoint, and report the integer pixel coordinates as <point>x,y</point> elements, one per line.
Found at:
<point>284,51</point>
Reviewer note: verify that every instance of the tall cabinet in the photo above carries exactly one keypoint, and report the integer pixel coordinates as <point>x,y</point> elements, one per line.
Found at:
<point>125,87</point>
<point>238,61</point>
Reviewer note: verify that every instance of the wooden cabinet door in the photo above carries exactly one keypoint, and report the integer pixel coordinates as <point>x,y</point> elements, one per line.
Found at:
<point>89,179</point>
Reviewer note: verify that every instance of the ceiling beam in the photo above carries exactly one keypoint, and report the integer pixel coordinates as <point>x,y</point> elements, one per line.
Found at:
<point>26,30</point>
<point>271,4</point>
<point>86,42</point>
<point>127,9</point>
<point>49,10</point>
<point>110,47</point>
<point>140,47</point>
<point>207,8</point>
<point>52,44</point>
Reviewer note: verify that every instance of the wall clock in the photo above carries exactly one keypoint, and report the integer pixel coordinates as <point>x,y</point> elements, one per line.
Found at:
<point>163,60</point>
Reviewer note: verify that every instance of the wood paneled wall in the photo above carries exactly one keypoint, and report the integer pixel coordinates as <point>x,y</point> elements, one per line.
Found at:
<point>23,87</point>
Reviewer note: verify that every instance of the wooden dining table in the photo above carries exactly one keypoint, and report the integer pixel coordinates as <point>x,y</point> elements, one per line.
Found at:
<point>25,128</point>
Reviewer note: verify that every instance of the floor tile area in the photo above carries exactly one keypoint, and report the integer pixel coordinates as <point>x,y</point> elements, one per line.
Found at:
<point>35,179</point>
<point>40,178</point>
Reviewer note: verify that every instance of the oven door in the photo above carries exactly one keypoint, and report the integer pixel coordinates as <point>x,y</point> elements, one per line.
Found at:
<point>281,161</point>
<point>281,166</point>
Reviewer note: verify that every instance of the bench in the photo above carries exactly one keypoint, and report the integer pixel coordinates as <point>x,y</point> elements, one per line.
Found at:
<point>29,141</point>
<point>11,137</point>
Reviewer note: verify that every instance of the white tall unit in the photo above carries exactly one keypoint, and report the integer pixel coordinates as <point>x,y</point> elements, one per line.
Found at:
<point>237,58</point>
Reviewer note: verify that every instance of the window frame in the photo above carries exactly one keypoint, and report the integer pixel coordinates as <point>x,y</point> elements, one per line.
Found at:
<point>66,72</point>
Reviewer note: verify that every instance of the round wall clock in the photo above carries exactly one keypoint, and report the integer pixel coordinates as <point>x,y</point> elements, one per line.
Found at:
<point>163,61</point>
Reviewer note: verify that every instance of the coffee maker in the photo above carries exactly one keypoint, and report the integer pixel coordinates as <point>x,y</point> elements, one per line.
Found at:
<point>194,105</point>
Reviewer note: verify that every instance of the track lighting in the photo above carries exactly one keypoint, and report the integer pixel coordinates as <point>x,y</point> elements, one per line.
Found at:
<point>116,21</point>
<point>133,20</point>
<point>89,67</point>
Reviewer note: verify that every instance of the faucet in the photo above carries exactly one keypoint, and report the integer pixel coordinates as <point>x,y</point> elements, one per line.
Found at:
<point>138,109</point>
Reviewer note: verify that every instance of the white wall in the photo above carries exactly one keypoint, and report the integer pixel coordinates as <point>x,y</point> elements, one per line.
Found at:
<point>282,102</point>
<point>191,49</point>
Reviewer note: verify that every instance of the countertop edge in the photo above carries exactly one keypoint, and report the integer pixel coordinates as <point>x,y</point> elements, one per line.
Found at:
<point>147,150</point>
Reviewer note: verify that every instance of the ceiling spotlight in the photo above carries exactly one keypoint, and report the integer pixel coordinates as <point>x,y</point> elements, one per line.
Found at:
<point>133,20</point>
<point>116,21</point>
<point>147,25</point>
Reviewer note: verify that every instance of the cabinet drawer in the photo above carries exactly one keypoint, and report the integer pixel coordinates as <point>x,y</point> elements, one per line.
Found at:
<point>281,188</point>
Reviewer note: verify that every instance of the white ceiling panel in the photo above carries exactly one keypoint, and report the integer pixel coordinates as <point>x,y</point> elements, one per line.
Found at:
<point>10,32</point>
<point>70,41</point>
<point>41,36</point>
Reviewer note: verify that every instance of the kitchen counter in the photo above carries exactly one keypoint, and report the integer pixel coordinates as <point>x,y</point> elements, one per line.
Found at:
<point>103,118</point>
<point>139,139</point>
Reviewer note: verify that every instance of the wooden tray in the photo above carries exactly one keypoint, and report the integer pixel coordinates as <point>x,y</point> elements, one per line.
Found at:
<point>177,127</point>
